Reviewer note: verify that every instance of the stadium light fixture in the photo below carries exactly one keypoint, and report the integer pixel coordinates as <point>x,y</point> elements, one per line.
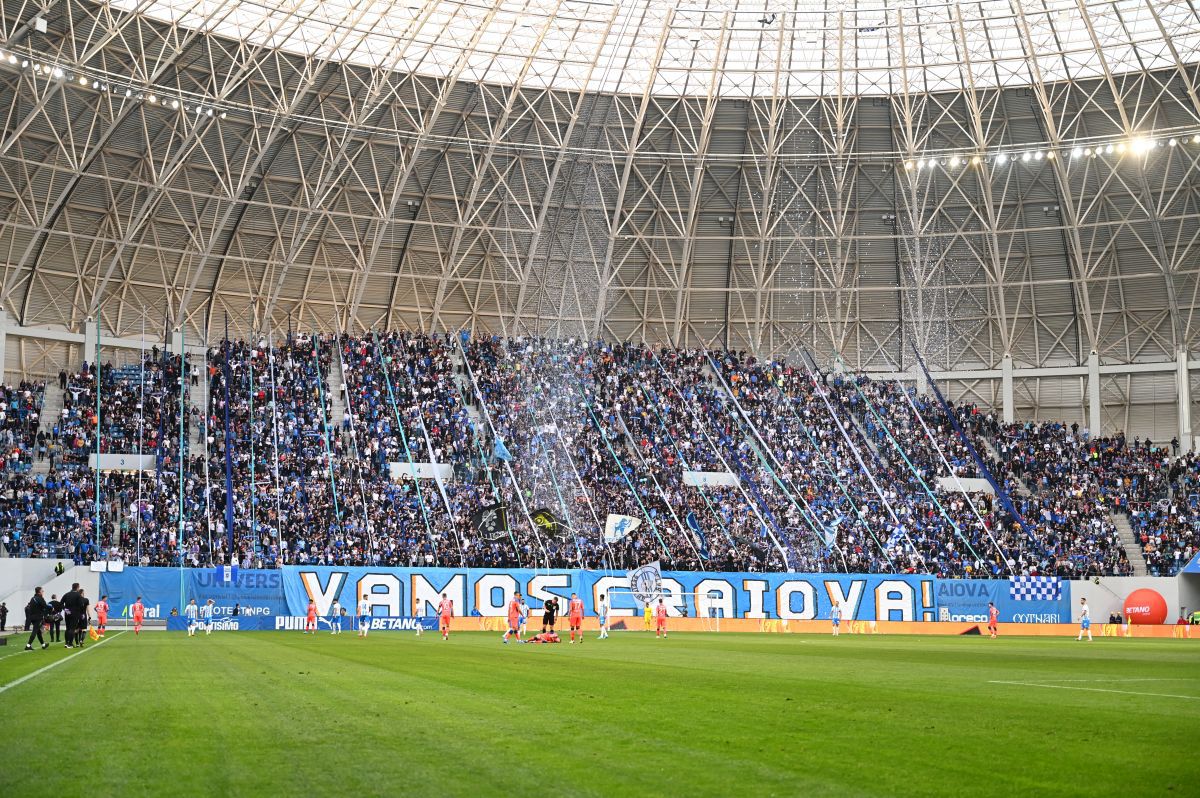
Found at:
<point>1171,142</point>
<point>976,160</point>
<point>1026,156</point>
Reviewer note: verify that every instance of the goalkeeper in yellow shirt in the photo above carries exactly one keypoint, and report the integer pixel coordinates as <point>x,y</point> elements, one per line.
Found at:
<point>648,619</point>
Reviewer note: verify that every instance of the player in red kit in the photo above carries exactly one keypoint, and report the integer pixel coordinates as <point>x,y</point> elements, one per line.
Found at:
<point>102,615</point>
<point>139,615</point>
<point>993,617</point>
<point>575,617</point>
<point>445,613</point>
<point>660,620</point>
<point>310,622</point>
<point>514,618</point>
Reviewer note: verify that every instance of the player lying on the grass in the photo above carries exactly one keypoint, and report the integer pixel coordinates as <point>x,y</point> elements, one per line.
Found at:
<point>543,637</point>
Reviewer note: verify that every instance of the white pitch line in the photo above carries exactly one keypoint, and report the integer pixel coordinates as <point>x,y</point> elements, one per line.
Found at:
<point>1099,690</point>
<point>56,663</point>
<point>1123,681</point>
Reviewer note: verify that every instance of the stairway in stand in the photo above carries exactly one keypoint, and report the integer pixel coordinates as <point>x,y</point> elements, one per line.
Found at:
<point>337,394</point>
<point>1129,541</point>
<point>52,405</point>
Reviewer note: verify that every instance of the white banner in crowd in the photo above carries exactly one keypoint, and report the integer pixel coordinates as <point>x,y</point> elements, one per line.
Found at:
<point>618,527</point>
<point>121,462</point>
<point>704,479</point>
<point>399,471</point>
<point>964,485</point>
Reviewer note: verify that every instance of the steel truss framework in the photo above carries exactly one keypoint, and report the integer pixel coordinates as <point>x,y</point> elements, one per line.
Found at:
<point>344,197</point>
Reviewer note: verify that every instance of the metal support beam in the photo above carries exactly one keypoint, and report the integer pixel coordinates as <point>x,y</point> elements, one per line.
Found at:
<point>1006,389</point>
<point>1093,393</point>
<point>3,340</point>
<point>1183,392</point>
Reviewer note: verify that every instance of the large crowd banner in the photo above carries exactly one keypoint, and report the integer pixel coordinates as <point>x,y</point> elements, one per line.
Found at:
<point>486,592</point>
<point>416,592</point>
<point>1019,600</point>
<point>251,592</point>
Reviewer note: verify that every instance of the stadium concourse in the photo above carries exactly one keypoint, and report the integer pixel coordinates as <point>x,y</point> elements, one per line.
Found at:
<point>831,471</point>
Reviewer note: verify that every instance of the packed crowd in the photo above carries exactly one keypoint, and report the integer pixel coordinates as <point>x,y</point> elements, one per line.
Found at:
<point>20,414</point>
<point>828,471</point>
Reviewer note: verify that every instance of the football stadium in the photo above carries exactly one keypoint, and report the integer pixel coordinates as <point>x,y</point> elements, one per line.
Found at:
<point>583,397</point>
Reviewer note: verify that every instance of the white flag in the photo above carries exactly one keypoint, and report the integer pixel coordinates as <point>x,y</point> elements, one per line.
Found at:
<point>645,583</point>
<point>618,527</point>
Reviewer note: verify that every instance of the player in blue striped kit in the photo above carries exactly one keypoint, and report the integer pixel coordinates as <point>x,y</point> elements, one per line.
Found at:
<point>1085,620</point>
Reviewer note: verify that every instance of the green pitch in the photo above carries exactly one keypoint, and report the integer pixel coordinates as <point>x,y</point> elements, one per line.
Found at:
<point>278,713</point>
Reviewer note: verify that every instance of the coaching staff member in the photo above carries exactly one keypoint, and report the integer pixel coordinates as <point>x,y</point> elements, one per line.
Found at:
<point>36,611</point>
<point>72,608</point>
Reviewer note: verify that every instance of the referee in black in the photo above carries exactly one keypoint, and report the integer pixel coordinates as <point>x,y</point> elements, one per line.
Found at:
<point>549,611</point>
<point>36,611</point>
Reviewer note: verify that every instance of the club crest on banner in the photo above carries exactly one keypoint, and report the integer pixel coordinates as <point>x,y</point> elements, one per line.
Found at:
<point>645,583</point>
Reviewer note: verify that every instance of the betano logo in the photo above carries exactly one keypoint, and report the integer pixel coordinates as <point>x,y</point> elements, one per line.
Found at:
<point>297,623</point>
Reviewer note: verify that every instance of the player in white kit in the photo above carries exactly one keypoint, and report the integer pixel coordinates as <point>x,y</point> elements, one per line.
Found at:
<point>1085,620</point>
<point>335,618</point>
<point>602,610</point>
<point>191,612</point>
<point>364,616</point>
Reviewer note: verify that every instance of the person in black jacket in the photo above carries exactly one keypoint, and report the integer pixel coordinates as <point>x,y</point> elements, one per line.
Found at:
<point>37,610</point>
<point>71,610</point>
<point>3,615</point>
<point>55,619</point>
<point>81,621</point>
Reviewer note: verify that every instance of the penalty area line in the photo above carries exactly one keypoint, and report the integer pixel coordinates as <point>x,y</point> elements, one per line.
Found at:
<point>1098,690</point>
<point>56,663</point>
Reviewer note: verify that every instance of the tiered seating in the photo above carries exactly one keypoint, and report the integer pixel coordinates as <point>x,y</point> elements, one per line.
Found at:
<point>834,472</point>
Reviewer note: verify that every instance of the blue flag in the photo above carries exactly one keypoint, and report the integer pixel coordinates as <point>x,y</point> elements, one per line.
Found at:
<point>694,525</point>
<point>500,451</point>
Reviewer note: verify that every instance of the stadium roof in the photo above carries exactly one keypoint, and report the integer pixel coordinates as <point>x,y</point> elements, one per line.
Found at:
<point>731,48</point>
<point>974,179</point>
